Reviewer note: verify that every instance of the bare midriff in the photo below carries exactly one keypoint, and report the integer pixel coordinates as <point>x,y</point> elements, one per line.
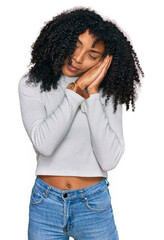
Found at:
<point>69,182</point>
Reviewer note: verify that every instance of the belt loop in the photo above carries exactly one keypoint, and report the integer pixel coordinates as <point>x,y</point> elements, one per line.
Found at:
<point>82,197</point>
<point>47,191</point>
<point>107,181</point>
<point>81,190</point>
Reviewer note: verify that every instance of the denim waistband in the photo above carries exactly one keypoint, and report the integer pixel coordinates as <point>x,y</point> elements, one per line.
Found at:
<point>76,193</point>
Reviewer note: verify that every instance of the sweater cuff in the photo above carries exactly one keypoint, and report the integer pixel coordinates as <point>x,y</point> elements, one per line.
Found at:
<point>74,95</point>
<point>93,96</point>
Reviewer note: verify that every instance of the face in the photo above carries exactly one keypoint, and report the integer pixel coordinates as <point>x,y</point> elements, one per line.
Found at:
<point>84,56</point>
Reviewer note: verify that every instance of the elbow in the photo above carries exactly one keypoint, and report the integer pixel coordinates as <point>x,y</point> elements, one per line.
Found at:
<point>113,159</point>
<point>43,150</point>
<point>41,143</point>
<point>42,147</point>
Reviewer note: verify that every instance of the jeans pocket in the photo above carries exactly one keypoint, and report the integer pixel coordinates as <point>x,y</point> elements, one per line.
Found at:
<point>99,202</point>
<point>36,197</point>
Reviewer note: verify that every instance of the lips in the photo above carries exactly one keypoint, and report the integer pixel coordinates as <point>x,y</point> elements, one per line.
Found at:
<point>71,67</point>
<point>75,67</point>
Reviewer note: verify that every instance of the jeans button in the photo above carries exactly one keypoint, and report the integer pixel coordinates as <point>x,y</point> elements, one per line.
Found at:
<point>65,195</point>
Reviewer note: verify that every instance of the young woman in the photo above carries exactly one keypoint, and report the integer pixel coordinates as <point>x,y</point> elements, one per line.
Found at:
<point>83,69</point>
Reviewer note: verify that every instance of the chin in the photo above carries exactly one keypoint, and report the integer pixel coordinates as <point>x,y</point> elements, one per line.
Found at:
<point>69,74</point>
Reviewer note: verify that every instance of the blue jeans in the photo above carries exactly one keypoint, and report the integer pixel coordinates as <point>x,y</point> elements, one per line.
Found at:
<point>83,214</point>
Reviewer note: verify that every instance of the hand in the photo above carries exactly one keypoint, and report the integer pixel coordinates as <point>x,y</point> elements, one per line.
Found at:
<point>93,87</point>
<point>94,76</point>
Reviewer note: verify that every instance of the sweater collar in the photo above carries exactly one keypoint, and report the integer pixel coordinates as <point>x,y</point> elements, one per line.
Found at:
<point>66,80</point>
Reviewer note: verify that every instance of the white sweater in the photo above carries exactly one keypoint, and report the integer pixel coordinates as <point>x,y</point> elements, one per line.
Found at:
<point>71,135</point>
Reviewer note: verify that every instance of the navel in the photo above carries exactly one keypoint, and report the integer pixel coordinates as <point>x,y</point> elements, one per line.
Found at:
<point>68,185</point>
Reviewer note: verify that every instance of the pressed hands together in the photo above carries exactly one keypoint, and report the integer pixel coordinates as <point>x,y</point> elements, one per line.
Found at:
<point>94,76</point>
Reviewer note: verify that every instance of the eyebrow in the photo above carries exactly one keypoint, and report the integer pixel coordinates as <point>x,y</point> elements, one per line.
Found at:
<point>90,50</point>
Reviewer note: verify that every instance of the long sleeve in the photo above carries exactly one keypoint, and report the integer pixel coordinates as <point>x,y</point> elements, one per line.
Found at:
<point>106,131</point>
<point>46,132</point>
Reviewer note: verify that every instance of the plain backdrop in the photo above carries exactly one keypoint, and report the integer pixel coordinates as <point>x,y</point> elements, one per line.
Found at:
<point>136,184</point>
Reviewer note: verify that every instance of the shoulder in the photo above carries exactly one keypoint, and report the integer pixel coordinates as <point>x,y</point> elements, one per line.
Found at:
<point>109,107</point>
<point>22,81</point>
<point>25,85</point>
<point>102,98</point>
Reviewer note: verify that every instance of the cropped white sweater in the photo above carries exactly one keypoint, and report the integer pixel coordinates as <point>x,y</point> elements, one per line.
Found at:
<point>71,135</point>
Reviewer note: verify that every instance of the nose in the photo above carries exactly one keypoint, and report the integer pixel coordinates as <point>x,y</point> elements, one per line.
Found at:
<point>78,57</point>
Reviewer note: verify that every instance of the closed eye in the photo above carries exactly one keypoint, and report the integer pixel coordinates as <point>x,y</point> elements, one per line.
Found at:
<point>91,56</point>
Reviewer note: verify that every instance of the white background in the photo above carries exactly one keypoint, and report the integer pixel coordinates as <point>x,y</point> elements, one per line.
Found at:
<point>136,184</point>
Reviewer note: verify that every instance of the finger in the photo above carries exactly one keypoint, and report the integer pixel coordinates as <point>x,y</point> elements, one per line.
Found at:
<point>106,59</point>
<point>102,63</point>
<point>106,66</point>
<point>108,62</point>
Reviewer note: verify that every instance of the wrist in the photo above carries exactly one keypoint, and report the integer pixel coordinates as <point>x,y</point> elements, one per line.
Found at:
<point>92,91</point>
<point>81,85</point>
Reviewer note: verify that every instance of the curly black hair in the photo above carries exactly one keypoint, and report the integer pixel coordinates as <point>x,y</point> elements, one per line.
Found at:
<point>57,40</point>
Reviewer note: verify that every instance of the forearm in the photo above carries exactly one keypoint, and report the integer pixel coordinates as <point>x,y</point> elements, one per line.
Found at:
<point>106,133</point>
<point>46,131</point>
